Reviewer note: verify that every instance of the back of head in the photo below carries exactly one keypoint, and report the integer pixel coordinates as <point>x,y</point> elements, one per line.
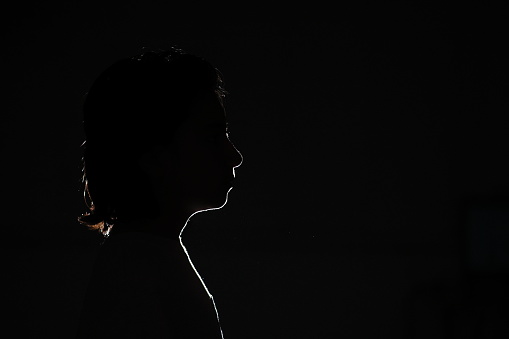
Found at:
<point>136,104</point>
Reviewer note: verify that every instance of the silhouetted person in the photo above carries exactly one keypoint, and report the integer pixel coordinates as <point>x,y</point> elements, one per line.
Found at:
<point>156,152</point>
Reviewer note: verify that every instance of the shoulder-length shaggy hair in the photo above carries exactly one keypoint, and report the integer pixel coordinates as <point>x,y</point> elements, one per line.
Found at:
<point>135,104</point>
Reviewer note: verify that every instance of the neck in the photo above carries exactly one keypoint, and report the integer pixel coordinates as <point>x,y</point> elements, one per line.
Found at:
<point>167,226</point>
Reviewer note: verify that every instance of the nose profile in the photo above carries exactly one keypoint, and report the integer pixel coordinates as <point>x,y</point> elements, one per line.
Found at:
<point>236,157</point>
<point>239,158</point>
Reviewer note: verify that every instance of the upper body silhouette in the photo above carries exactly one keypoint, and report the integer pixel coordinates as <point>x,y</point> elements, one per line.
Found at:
<point>157,152</point>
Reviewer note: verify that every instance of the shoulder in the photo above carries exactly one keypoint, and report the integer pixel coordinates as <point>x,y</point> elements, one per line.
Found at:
<point>130,284</point>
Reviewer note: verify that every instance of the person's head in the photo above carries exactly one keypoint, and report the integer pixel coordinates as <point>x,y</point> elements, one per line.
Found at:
<point>155,134</point>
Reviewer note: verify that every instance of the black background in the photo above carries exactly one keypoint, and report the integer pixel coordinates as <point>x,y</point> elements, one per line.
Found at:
<point>371,135</point>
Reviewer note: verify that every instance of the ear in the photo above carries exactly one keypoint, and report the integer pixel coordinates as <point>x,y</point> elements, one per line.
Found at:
<point>151,162</point>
